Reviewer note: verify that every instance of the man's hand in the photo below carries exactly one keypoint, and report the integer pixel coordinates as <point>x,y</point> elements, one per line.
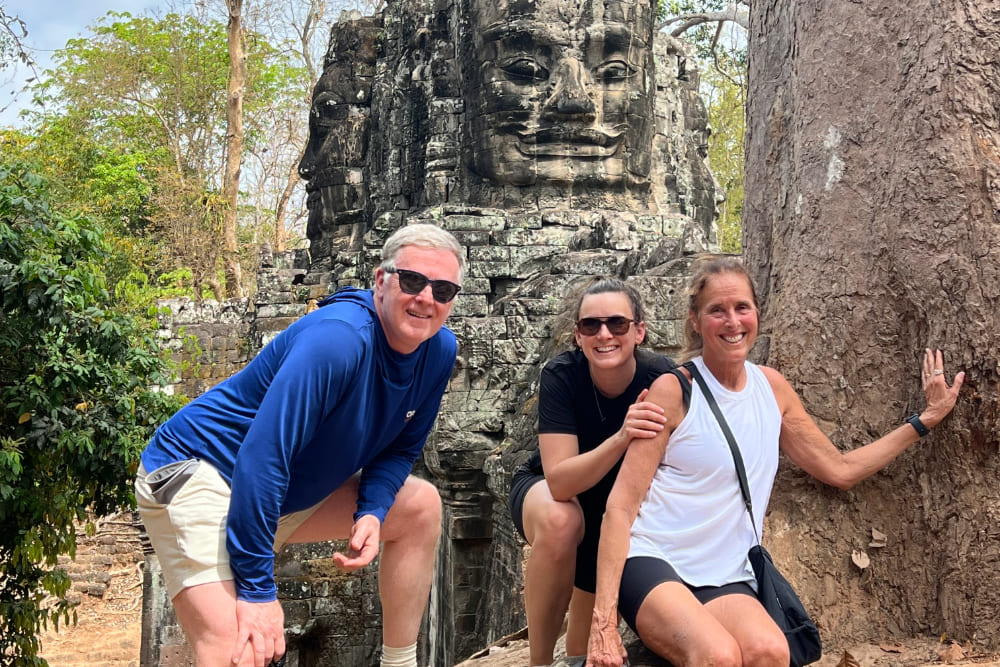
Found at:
<point>363,545</point>
<point>262,624</point>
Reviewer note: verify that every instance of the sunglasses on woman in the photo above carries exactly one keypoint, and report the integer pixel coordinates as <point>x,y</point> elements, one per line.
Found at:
<point>617,324</point>
<point>412,282</point>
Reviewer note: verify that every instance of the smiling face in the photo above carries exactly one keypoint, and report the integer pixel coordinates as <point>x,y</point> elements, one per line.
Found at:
<point>726,318</point>
<point>410,319</point>
<point>562,92</point>
<point>604,350</point>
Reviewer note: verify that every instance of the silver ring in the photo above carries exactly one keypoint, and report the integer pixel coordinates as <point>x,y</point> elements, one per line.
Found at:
<point>938,371</point>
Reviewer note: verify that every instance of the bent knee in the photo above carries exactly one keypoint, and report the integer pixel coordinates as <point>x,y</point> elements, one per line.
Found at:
<point>559,523</point>
<point>766,650</point>
<point>722,654</point>
<point>419,504</point>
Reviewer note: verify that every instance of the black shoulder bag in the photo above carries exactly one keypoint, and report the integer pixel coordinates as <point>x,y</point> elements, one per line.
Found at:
<point>773,590</point>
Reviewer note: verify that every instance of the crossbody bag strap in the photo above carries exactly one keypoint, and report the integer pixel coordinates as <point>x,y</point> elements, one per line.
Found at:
<point>733,447</point>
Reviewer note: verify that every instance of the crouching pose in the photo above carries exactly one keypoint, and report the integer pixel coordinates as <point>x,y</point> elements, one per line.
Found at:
<point>590,406</point>
<point>673,548</point>
<point>313,440</point>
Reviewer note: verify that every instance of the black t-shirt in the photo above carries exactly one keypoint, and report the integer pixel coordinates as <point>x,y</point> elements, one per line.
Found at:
<point>568,402</point>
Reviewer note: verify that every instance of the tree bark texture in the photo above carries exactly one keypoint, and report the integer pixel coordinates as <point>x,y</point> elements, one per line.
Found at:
<point>234,149</point>
<point>872,231</point>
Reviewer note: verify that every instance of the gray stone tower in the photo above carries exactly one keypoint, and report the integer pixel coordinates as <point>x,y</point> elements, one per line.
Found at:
<point>557,139</point>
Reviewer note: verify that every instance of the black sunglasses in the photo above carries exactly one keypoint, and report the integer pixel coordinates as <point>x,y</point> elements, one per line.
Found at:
<point>412,282</point>
<point>617,325</point>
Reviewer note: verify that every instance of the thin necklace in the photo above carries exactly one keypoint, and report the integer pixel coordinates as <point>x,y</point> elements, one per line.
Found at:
<point>597,401</point>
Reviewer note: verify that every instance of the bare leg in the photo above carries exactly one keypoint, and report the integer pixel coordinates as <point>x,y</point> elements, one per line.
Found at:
<point>409,536</point>
<point>581,609</point>
<point>761,642</point>
<point>207,612</point>
<point>554,529</point>
<point>674,625</point>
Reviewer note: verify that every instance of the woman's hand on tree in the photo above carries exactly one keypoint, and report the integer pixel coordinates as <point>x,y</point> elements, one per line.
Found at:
<point>940,397</point>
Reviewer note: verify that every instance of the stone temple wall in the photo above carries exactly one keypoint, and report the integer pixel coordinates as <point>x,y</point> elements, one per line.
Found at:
<point>557,140</point>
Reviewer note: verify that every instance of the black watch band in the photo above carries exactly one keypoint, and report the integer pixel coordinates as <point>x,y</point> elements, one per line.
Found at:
<point>914,421</point>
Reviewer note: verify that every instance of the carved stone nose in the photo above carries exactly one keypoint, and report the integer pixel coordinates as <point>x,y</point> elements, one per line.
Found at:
<point>570,96</point>
<point>307,166</point>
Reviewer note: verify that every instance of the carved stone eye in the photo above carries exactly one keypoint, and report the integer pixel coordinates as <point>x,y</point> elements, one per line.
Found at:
<point>324,110</point>
<point>525,69</point>
<point>614,70</point>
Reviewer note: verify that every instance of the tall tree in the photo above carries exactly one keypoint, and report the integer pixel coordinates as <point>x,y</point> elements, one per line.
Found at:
<point>716,29</point>
<point>13,50</point>
<point>301,28</point>
<point>870,223</point>
<point>234,147</point>
<point>155,90</point>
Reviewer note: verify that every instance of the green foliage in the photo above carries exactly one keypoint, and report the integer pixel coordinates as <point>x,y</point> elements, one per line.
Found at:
<point>76,404</point>
<point>727,118</point>
<point>130,127</point>
<point>721,53</point>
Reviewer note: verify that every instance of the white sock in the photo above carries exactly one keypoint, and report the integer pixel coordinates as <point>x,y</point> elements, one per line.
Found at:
<point>399,657</point>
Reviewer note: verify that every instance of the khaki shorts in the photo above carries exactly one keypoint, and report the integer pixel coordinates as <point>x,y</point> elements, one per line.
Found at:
<point>184,506</point>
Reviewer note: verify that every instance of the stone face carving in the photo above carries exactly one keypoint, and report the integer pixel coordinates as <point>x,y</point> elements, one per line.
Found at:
<point>561,93</point>
<point>339,120</point>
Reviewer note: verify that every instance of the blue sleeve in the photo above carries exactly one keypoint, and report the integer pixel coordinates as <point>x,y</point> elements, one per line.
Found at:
<point>308,381</point>
<point>384,475</point>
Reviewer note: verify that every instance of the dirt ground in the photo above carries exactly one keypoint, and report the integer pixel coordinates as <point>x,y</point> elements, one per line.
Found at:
<point>107,584</point>
<point>108,635</point>
<point>925,652</point>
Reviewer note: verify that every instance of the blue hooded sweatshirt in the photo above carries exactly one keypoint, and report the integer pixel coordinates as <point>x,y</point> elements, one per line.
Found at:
<point>326,398</point>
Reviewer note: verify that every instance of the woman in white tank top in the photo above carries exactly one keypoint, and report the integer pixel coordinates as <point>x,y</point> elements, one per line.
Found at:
<point>675,535</point>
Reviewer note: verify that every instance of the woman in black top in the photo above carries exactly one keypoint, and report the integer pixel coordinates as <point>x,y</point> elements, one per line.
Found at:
<point>591,404</point>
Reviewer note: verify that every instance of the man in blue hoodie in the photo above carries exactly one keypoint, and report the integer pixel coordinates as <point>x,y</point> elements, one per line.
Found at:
<point>313,440</point>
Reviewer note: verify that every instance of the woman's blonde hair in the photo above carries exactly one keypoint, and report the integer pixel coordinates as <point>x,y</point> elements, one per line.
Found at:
<point>705,268</point>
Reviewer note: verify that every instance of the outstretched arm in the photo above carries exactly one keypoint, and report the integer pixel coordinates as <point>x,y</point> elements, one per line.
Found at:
<point>809,448</point>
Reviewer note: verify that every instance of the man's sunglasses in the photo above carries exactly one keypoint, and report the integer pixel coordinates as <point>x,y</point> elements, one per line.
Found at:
<point>591,326</point>
<point>412,282</point>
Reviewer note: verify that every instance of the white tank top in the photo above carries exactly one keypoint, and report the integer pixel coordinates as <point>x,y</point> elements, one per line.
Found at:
<point>693,515</point>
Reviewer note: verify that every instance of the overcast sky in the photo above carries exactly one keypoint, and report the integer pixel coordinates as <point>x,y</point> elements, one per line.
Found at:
<point>51,23</point>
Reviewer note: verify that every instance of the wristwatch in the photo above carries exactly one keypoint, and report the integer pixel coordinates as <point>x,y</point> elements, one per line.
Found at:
<point>914,421</point>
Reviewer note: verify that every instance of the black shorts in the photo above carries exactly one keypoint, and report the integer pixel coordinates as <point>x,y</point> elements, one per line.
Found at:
<point>642,574</point>
<point>522,481</point>
<point>585,576</point>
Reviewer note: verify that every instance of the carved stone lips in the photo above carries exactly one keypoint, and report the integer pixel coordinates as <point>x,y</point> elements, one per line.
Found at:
<point>567,141</point>
<point>570,135</point>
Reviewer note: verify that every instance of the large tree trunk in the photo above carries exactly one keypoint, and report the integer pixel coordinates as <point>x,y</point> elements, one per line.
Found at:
<point>234,148</point>
<point>871,228</point>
